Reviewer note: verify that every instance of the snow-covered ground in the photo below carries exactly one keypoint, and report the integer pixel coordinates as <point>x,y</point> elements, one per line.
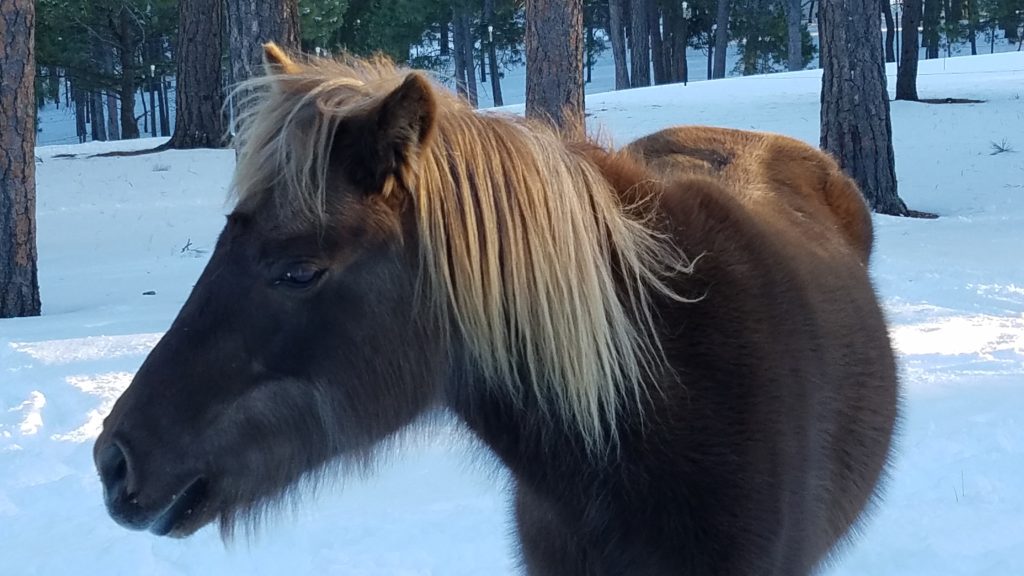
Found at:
<point>113,229</point>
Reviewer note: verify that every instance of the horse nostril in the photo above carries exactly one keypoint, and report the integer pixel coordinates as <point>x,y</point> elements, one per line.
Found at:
<point>112,463</point>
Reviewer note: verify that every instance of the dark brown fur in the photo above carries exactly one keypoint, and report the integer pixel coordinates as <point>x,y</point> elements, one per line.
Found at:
<point>755,449</point>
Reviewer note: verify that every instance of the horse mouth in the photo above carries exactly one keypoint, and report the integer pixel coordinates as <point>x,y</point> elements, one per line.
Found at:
<point>183,510</point>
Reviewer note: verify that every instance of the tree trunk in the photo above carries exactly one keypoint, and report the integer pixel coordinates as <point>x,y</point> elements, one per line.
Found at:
<point>855,124</point>
<point>459,41</point>
<point>950,19</point>
<point>657,42</point>
<point>251,24</point>
<point>81,114</point>
<point>197,120</point>
<point>679,50</point>
<point>721,38</point>
<point>972,25</point>
<point>711,51</point>
<point>145,110</point>
<point>588,57</point>
<point>483,52</point>
<point>671,20</point>
<point>890,32</point>
<point>467,45</point>
<point>152,51</point>
<point>930,30</point>
<point>554,63</point>
<point>906,77</point>
<point>151,88</point>
<point>19,279</point>
<point>492,58</point>
<point>53,79</point>
<point>165,108</point>
<point>640,50</point>
<point>99,125</point>
<point>129,128</point>
<point>113,128</point>
<point>794,34</point>
<point>445,40</point>
<point>618,41</point>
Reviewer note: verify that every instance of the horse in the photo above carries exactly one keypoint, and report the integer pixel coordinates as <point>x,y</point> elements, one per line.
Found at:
<point>683,371</point>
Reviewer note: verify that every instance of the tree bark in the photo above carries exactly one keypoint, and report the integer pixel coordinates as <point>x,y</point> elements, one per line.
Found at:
<point>657,42</point>
<point>467,34</point>
<point>129,127</point>
<point>81,112</point>
<point>682,35</point>
<point>165,108</point>
<point>794,34</point>
<point>640,50</point>
<point>930,30</point>
<point>711,50</point>
<point>674,56</point>
<point>113,128</point>
<point>949,20</point>
<point>492,55</point>
<point>99,125</point>
<point>198,122</point>
<point>554,63</point>
<point>618,41</point>
<point>972,25</point>
<point>53,79</point>
<point>906,77</point>
<point>721,38</point>
<point>445,41</point>
<point>19,279</point>
<point>459,42</point>
<point>890,32</point>
<point>152,53</point>
<point>855,124</point>
<point>251,24</point>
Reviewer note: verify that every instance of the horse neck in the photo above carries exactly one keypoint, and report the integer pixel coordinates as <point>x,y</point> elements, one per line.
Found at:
<point>630,180</point>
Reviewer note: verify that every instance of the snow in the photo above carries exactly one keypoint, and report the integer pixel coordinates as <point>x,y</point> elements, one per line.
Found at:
<point>112,229</point>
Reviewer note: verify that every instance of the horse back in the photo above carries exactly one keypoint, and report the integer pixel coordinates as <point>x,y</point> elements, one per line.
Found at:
<point>798,184</point>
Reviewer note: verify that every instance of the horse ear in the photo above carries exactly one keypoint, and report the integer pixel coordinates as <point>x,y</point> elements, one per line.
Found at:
<point>275,61</point>
<point>404,123</point>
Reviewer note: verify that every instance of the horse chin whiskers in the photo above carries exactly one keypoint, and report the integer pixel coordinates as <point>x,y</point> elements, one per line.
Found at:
<point>246,515</point>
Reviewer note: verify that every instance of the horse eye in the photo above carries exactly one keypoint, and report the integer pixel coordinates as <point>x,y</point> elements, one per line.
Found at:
<point>300,274</point>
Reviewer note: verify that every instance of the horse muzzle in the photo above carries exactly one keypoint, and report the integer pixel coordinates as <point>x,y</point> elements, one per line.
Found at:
<point>161,505</point>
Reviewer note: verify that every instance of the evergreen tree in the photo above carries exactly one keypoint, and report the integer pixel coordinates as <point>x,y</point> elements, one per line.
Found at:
<point>19,283</point>
<point>198,121</point>
<point>855,124</point>
<point>554,62</point>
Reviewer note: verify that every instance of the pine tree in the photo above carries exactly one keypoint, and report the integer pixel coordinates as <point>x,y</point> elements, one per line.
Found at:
<point>906,76</point>
<point>19,283</point>
<point>640,47</point>
<point>252,24</point>
<point>855,124</point>
<point>554,62</point>
<point>198,121</point>
<point>618,39</point>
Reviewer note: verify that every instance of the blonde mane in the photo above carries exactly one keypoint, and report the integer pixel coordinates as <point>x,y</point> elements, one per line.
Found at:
<point>524,243</point>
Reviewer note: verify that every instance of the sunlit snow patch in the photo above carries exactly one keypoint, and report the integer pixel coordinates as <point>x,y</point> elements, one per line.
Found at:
<point>87,349</point>
<point>981,335</point>
<point>107,387</point>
